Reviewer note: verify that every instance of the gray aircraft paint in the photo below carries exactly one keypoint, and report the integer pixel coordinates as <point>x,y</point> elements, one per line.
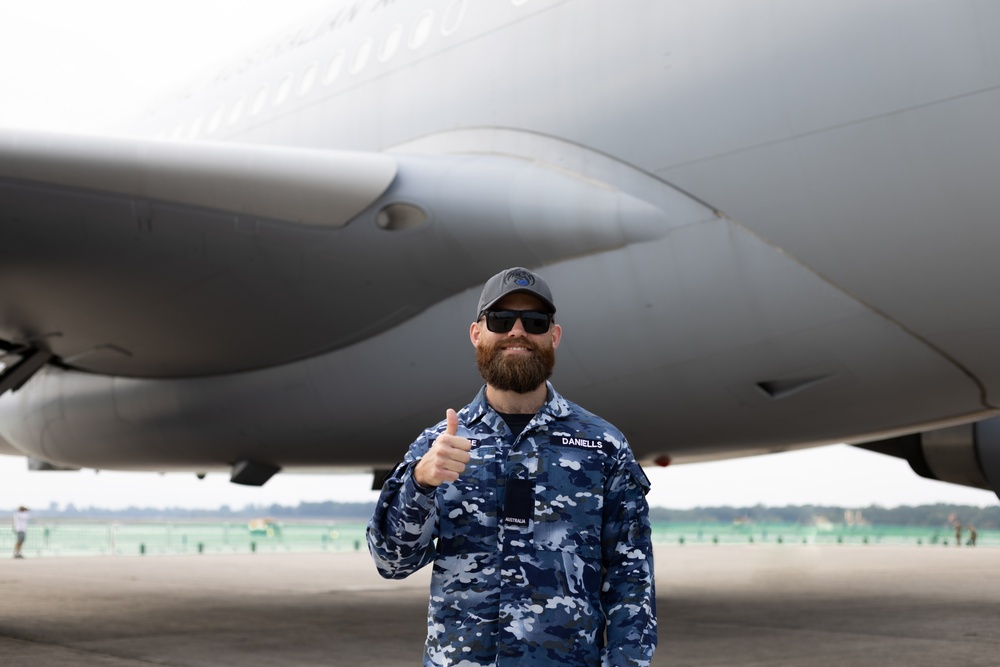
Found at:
<point>767,225</point>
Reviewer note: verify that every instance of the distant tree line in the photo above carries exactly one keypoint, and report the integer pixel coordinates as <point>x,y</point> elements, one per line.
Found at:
<point>986,518</point>
<point>324,510</point>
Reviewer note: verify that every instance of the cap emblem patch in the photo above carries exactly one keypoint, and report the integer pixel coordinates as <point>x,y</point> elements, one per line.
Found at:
<point>520,278</point>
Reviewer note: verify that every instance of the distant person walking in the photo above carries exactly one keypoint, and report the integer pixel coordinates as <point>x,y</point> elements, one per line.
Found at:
<point>972,535</point>
<point>956,523</point>
<point>21,517</point>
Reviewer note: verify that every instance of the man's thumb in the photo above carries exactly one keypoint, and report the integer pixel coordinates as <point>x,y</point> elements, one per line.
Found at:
<point>452,418</point>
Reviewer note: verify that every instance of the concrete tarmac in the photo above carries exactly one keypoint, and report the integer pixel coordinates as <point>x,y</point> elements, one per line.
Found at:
<point>727,605</point>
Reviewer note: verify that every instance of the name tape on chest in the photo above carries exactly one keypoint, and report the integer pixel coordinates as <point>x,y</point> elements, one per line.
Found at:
<point>579,443</point>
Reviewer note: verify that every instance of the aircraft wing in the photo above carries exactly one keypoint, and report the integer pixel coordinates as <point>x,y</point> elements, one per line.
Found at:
<point>145,258</point>
<point>309,187</point>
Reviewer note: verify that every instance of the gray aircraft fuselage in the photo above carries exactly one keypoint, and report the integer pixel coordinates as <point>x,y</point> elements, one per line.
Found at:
<point>767,224</point>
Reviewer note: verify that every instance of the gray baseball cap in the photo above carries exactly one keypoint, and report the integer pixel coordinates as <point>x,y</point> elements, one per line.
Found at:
<point>510,281</point>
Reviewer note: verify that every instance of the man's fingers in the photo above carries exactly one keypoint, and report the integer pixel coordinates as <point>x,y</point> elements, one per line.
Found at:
<point>450,436</point>
<point>447,458</point>
<point>459,455</point>
<point>453,465</point>
<point>455,442</point>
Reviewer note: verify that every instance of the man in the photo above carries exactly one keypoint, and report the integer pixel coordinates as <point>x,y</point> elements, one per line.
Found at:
<point>532,510</point>
<point>20,529</point>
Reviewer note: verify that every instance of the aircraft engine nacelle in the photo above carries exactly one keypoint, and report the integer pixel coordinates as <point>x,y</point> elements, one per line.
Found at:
<point>968,454</point>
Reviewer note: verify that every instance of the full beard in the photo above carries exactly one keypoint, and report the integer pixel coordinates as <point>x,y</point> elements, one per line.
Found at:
<point>521,373</point>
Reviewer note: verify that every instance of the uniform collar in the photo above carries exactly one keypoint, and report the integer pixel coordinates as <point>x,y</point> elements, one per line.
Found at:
<point>479,409</point>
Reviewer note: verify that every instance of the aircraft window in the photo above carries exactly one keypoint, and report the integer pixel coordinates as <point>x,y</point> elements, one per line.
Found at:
<point>284,88</point>
<point>361,55</point>
<point>237,111</point>
<point>333,69</point>
<point>308,79</point>
<point>453,17</point>
<point>258,101</point>
<point>215,120</point>
<point>196,127</point>
<point>391,43</point>
<point>421,30</point>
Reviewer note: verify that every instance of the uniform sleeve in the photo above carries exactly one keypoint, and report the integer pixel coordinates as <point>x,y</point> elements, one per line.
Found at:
<point>401,532</point>
<point>628,593</point>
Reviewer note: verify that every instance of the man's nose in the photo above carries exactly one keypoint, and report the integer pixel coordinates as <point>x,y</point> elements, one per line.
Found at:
<point>518,329</point>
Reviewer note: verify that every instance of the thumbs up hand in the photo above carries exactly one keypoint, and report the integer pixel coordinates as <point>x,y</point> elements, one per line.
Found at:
<point>447,457</point>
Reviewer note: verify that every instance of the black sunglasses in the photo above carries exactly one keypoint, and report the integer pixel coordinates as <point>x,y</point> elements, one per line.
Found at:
<point>533,321</point>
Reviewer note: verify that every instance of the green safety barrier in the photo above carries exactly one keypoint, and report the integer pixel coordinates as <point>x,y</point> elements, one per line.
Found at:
<point>143,538</point>
<point>150,538</point>
<point>790,534</point>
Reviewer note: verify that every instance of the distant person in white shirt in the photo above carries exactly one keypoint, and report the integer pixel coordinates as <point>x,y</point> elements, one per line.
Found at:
<point>21,517</point>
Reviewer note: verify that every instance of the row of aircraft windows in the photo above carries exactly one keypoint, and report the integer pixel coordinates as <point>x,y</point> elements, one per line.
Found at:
<point>252,105</point>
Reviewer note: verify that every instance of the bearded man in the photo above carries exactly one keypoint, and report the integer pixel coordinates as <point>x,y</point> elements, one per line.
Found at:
<point>531,509</point>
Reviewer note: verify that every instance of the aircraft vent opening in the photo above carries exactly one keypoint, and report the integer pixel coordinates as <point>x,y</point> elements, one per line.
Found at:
<point>398,217</point>
<point>778,389</point>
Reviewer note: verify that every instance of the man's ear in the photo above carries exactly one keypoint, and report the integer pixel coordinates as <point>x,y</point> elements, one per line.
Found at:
<point>474,334</point>
<point>556,335</point>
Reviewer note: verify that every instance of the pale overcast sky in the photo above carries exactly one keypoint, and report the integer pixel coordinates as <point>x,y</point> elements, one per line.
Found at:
<point>75,65</point>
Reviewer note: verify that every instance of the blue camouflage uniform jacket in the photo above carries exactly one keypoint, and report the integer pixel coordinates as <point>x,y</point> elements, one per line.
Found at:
<point>570,583</point>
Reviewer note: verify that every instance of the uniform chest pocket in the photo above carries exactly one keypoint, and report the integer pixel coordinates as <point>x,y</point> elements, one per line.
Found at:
<point>569,499</point>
